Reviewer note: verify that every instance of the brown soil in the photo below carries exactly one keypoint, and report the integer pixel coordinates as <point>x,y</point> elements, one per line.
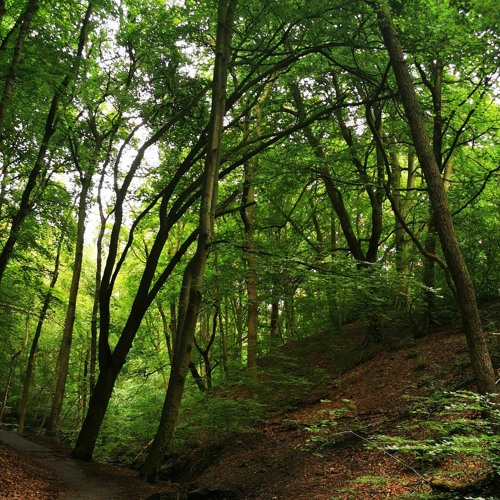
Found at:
<point>281,462</point>
<point>279,459</point>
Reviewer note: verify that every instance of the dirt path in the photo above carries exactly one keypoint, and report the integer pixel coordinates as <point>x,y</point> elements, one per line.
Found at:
<point>80,480</point>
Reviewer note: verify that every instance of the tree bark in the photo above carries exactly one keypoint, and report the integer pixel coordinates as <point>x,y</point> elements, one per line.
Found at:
<point>94,322</point>
<point>195,268</point>
<point>111,363</point>
<point>36,337</point>
<point>430,245</point>
<point>67,337</point>
<point>471,322</point>
<point>247,213</point>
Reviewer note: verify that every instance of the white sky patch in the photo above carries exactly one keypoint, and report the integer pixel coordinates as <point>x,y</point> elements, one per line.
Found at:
<point>151,161</point>
<point>199,62</point>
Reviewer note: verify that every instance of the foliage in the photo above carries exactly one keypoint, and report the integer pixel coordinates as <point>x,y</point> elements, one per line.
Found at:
<point>214,417</point>
<point>322,430</point>
<point>456,425</point>
<point>137,402</point>
<point>313,106</point>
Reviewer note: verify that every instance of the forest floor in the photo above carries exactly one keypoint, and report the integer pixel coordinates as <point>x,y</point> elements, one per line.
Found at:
<point>312,449</point>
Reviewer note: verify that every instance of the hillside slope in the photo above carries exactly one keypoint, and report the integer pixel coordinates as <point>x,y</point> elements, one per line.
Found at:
<point>318,449</point>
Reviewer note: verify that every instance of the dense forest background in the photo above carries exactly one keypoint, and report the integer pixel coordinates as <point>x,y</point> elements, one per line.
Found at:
<point>186,185</point>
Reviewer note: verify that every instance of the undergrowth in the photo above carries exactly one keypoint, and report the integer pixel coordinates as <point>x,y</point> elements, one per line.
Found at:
<point>451,442</point>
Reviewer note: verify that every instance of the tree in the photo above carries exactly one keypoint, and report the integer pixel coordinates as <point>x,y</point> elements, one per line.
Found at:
<point>478,350</point>
<point>322,199</point>
<point>39,169</point>
<point>86,180</point>
<point>41,319</point>
<point>193,275</point>
<point>180,189</point>
<point>23,23</point>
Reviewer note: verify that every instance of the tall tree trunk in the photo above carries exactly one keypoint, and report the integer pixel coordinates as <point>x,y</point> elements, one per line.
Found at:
<point>236,302</point>
<point>251,277</point>
<point>373,187</point>
<point>375,195</point>
<point>471,322</point>
<point>195,268</point>
<point>94,321</point>
<point>429,274</point>
<point>400,238</point>
<point>95,308</point>
<point>247,216</point>
<point>111,361</point>
<point>26,203</point>
<point>430,244</point>
<point>84,388</point>
<point>36,337</point>
<point>401,203</point>
<point>67,337</point>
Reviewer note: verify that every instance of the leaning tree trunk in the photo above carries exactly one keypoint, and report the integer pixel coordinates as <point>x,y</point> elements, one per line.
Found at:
<point>36,337</point>
<point>111,361</point>
<point>333,193</point>
<point>196,267</point>
<point>478,349</point>
<point>67,337</point>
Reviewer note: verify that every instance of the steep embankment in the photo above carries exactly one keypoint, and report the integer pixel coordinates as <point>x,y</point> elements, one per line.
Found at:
<point>318,449</point>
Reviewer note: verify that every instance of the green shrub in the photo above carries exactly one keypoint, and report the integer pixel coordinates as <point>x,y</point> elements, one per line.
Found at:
<point>448,425</point>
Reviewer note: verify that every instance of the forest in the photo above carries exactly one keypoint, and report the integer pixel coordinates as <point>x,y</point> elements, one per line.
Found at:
<point>191,189</point>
